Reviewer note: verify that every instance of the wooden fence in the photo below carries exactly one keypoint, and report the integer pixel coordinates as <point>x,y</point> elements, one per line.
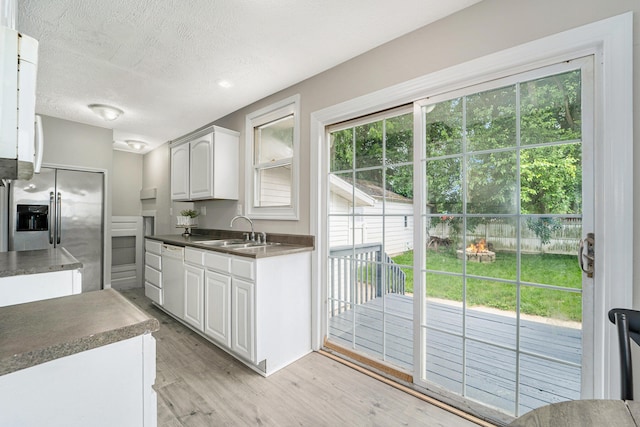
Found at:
<point>564,239</point>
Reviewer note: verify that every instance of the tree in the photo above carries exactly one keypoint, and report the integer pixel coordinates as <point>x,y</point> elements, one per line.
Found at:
<point>363,146</point>
<point>546,124</point>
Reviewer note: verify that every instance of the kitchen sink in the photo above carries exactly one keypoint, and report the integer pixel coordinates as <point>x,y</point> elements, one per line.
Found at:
<point>222,243</point>
<point>235,243</point>
<point>256,246</point>
<point>247,245</point>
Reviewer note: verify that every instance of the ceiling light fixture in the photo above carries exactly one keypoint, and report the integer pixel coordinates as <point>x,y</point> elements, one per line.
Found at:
<point>107,112</point>
<point>136,144</point>
<point>225,84</point>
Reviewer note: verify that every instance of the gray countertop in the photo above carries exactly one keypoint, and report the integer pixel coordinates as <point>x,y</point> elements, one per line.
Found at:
<point>41,331</point>
<point>17,263</point>
<point>288,245</point>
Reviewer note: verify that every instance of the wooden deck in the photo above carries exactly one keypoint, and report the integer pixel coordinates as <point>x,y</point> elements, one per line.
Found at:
<point>490,369</point>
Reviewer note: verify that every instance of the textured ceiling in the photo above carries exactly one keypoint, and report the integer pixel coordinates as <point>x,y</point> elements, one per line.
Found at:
<point>161,60</point>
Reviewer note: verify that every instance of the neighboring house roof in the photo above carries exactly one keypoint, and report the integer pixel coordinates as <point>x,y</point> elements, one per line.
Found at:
<point>366,192</point>
<point>374,190</point>
<point>345,190</point>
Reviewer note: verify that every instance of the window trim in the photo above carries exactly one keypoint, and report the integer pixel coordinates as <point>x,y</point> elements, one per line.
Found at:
<point>270,113</point>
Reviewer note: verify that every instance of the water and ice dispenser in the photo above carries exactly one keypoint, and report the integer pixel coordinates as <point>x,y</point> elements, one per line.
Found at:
<point>32,218</point>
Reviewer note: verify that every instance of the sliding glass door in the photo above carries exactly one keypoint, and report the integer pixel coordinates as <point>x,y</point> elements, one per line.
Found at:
<point>453,226</point>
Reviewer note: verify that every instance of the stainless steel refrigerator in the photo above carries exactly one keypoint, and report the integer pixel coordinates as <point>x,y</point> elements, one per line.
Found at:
<point>61,207</point>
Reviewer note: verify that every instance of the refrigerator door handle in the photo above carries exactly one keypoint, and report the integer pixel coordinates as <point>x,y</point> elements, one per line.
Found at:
<point>51,216</point>
<point>39,145</point>
<point>59,217</point>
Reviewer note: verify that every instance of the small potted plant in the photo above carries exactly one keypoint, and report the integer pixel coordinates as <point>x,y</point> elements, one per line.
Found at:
<point>187,218</point>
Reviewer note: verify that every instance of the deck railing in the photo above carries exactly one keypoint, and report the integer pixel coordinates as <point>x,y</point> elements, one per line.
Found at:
<point>360,273</point>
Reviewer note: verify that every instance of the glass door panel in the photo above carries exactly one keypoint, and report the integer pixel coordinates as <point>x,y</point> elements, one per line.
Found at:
<point>503,218</point>
<point>371,229</point>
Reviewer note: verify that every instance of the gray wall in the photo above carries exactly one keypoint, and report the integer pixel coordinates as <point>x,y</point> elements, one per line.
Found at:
<point>79,146</point>
<point>156,167</point>
<point>155,174</point>
<point>127,183</point>
<point>487,27</point>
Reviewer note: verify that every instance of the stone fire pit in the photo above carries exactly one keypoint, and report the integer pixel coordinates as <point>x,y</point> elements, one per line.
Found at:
<point>477,252</point>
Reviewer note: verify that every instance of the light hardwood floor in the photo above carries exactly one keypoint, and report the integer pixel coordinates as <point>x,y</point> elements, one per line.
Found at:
<point>200,385</point>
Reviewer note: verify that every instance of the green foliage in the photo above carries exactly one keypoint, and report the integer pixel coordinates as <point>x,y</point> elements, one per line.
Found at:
<point>491,119</point>
<point>544,228</point>
<point>342,150</point>
<point>551,179</point>
<point>367,146</point>
<point>557,270</point>
<point>472,150</point>
<point>551,109</point>
<point>189,212</point>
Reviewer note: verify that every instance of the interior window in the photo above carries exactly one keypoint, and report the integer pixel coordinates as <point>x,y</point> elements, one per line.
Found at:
<point>272,151</point>
<point>273,157</point>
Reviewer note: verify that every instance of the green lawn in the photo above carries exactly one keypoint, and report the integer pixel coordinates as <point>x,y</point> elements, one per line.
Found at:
<point>556,270</point>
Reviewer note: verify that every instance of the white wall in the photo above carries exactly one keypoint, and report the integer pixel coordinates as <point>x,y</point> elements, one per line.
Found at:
<point>369,229</point>
<point>155,174</point>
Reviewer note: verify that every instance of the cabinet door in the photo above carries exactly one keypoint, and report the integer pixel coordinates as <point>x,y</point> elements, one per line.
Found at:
<point>242,319</point>
<point>201,175</point>
<point>194,296</point>
<point>217,307</point>
<point>180,172</point>
<point>226,172</point>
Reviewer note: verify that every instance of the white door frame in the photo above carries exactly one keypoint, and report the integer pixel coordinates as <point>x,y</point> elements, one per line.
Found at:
<point>610,40</point>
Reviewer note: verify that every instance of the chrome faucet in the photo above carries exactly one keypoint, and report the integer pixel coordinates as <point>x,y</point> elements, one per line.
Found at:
<point>253,235</point>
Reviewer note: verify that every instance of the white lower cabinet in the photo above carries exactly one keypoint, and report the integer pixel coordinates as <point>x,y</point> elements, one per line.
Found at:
<point>258,310</point>
<point>194,296</point>
<point>153,271</point>
<point>107,386</point>
<point>243,319</point>
<point>217,307</point>
<point>41,286</point>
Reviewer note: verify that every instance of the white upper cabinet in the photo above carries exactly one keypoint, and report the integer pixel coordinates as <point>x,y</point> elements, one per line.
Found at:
<point>210,170</point>
<point>180,172</point>
<point>201,176</point>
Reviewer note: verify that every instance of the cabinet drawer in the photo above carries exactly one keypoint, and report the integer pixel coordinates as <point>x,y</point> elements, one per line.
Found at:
<point>153,276</point>
<point>153,246</point>
<point>153,293</point>
<point>153,260</point>
<point>193,256</point>
<point>217,262</point>
<point>243,268</point>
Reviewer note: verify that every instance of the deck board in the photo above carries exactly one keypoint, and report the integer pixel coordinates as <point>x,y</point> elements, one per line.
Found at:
<point>490,370</point>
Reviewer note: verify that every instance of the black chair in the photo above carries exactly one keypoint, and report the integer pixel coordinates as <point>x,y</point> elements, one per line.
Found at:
<point>628,324</point>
